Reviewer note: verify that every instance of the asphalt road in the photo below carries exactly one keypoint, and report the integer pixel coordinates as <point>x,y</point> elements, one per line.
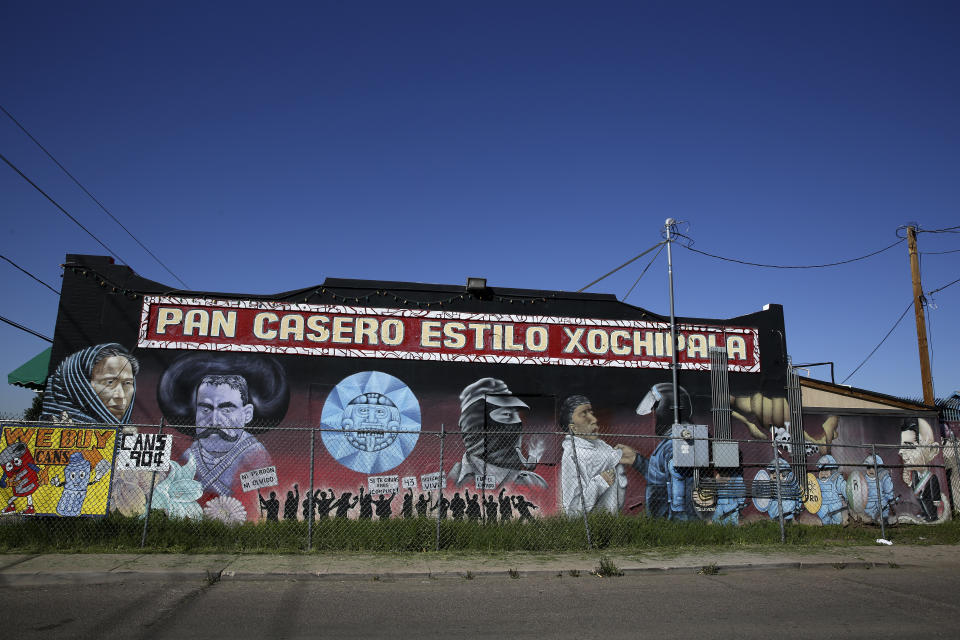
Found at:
<point>848,602</point>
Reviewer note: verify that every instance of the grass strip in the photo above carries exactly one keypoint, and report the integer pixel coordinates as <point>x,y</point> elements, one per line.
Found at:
<point>116,533</point>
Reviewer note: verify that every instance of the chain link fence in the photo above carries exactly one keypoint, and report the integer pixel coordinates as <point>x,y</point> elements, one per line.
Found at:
<point>951,463</point>
<point>310,488</point>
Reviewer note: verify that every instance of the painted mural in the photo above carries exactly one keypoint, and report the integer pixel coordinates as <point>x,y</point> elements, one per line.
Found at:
<point>56,471</point>
<point>902,483</point>
<point>454,413</point>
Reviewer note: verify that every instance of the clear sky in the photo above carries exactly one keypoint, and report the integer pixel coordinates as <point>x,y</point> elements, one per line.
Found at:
<point>262,147</point>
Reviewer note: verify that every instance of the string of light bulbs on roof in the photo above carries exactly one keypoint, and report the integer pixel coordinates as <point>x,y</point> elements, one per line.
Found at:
<point>324,291</point>
<point>460,296</point>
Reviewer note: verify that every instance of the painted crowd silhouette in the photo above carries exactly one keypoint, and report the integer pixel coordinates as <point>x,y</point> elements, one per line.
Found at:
<point>471,507</point>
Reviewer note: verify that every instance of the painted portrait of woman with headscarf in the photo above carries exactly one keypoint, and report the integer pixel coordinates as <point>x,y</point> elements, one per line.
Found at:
<point>94,385</point>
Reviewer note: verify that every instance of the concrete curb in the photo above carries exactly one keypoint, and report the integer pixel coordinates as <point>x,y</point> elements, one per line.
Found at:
<point>390,576</point>
<point>856,564</point>
<point>210,576</point>
<point>40,579</point>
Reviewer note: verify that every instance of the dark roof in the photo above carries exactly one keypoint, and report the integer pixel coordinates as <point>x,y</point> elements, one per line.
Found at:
<point>122,279</point>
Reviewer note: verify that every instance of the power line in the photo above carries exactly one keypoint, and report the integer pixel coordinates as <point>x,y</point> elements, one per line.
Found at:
<point>64,211</point>
<point>937,253</point>
<point>782,266</point>
<point>631,260</point>
<point>100,204</point>
<point>895,325</point>
<point>23,328</point>
<point>16,266</point>
<point>642,273</point>
<point>949,284</point>
<point>955,229</point>
<point>918,229</point>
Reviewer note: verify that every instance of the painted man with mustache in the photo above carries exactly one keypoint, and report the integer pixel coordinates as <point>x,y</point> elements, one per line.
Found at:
<point>223,448</point>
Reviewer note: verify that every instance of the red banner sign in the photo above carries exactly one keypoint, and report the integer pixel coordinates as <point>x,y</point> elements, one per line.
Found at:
<point>362,332</point>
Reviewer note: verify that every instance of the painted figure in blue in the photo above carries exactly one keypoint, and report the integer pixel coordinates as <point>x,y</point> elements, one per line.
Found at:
<point>790,490</point>
<point>669,492</point>
<point>878,506</point>
<point>76,482</point>
<point>833,490</point>
<point>731,497</point>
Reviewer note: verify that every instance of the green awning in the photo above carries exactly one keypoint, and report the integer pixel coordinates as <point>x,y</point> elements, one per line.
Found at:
<point>33,373</point>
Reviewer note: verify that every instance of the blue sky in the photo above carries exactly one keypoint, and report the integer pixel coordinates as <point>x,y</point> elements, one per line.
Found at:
<point>260,148</point>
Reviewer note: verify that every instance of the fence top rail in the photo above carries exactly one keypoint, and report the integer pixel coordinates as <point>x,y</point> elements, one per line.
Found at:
<point>531,430</point>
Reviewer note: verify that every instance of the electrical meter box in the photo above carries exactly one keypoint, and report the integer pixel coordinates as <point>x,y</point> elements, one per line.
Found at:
<point>726,454</point>
<point>692,451</point>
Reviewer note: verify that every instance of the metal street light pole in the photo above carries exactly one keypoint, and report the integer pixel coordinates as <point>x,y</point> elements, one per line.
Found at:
<point>673,323</point>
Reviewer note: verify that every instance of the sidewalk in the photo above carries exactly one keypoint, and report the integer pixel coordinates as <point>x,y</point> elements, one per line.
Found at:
<point>23,569</point>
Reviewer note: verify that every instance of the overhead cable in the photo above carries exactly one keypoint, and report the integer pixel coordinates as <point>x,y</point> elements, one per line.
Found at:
<point>64,211</point>
<point>949,284</point>
<point>16,266</point>
<point>944,230</point>
<point>937,253</point>
<point>895,325</point>
<point>630,261</point>
<point>642,273</point>
<point>23,328</point>
<point>100,204</point>
<point>925,295</point>
<point>783,266</point>
<point>918,229</point>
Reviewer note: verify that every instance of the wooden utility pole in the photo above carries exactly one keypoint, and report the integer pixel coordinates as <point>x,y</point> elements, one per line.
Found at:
<point>925,377</point>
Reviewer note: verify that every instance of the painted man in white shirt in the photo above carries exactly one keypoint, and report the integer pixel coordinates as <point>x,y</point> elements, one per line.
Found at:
<point>591,471</point>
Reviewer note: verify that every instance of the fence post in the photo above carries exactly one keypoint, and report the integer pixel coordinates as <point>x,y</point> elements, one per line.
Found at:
<point>443,482</point>
<point>583,502</point>
<point>876,479</point>
<point>776,471</point>
<point>310,501</point>
<point>955,479</point>
<point>149,504</point>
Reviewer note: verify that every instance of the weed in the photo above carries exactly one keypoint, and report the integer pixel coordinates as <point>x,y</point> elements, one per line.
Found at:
<point>514,573</point>
<point>607,569</point>
<point>839,565</point>
<point>893,565</point>
<point>709,569</point>
<point>574,573</point>
<point>468,575</point>
<point>376,578</point>
<point>213,577</point>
